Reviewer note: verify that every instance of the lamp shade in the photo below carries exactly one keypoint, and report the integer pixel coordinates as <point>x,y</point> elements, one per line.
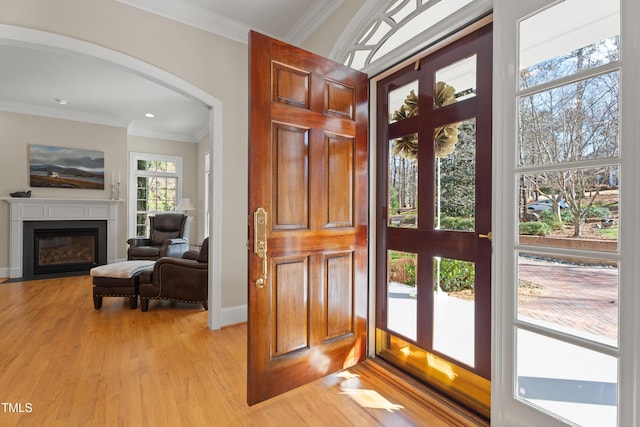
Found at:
<point>185,205</point>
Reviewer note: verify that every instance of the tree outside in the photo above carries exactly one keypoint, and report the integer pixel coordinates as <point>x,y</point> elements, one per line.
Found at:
<point>454,149</point>
<point>570,123</point>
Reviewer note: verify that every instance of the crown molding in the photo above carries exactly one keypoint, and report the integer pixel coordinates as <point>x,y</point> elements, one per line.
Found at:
<point>203,132</point>
<point>146,133</point>
<point>356,26</point>
<point>97,119</point>
<point>195,16</point>
<point>311,20</point>
<point>212,22</point>
<point>76,116</point>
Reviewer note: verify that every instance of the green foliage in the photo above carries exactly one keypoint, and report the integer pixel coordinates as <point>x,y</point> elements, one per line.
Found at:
<point>402,268</point>
<point>455,223</point>
<point>551,219</point>
<point>592,212</point>
<point>456,275</point>
<point>410,270</point>
<point>395,204</point>
<point>608,233</point>
<point>567,216</point>
<point>598,212</point>
<point>535,228</point>
<point>457,175</point>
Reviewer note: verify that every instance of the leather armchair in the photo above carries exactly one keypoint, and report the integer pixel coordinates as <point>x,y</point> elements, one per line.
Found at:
<point>169,237</point>
<point>178,279</point>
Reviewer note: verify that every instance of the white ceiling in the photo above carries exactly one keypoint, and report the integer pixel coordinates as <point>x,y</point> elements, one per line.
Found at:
<point>32,77</point>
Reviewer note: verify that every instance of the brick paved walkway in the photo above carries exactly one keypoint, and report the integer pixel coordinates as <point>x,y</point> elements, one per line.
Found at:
<point>581,298</point>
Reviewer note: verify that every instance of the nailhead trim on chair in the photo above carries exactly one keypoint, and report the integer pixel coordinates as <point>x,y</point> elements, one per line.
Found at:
<point>116,295</point>
<point>176,300</point>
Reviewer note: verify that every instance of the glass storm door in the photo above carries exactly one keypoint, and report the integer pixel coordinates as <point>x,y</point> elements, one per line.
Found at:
<point>433,303</point>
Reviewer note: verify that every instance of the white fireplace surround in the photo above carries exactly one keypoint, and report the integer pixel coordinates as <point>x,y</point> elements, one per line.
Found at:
<point>27,209</point>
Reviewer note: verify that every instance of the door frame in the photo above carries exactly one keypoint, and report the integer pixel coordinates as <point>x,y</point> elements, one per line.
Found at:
<point>373,169</point>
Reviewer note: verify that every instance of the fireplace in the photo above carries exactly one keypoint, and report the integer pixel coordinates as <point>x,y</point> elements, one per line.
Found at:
<point>63,248</point>
<point>23,209</point>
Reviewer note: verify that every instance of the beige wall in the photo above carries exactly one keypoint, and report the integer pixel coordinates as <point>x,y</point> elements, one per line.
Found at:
<point>20,130</point>
<point>216,65</point>
<point>325,37</point>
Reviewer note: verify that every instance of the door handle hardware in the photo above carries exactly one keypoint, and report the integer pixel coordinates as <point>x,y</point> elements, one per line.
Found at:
<point>260,242</point>
<point>486,236</point>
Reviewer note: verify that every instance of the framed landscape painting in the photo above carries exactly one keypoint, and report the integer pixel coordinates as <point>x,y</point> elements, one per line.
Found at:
<point>66,167</point>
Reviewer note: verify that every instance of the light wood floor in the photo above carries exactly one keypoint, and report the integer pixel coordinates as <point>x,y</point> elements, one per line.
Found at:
<point>67,364</point>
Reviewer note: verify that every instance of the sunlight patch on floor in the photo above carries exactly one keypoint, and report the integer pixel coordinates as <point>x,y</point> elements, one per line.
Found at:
<point>371,399</point>
<point>347,375</point>
<point>365,398</point>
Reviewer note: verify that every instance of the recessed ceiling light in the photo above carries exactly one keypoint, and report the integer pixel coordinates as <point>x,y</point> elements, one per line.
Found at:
<point>60,101</point>
<point>150,115</point>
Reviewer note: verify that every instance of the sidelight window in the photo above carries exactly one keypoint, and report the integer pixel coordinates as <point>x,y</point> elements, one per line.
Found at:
<point>568,170</point>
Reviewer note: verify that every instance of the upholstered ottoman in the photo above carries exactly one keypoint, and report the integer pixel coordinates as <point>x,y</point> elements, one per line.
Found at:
<point>119,279</point>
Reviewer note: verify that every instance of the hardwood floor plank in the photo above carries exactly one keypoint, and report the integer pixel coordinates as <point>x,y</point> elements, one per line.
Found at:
<point>79,366</point>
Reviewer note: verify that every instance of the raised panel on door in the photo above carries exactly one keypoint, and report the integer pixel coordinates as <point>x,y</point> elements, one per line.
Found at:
<point>290,85</point>
<point>290,304</point>
<point>339,285</point>
<point>290,177</point>
<point>339,99</point>
<point>340,181</point>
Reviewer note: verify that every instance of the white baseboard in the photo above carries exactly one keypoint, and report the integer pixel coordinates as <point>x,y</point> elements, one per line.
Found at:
<point>233,315</point>
<point>4,271</point>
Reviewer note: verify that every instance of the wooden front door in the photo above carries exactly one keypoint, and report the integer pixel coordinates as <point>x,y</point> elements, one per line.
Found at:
<point>308,204</point>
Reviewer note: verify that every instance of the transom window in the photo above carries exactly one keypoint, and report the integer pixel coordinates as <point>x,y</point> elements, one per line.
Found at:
<point>401,21</point>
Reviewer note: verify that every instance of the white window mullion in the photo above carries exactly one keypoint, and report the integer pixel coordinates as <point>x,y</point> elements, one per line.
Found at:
<point>630,206</point>
<point>505,410</point>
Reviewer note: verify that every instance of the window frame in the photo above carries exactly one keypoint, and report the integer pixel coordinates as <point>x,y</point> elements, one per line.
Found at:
<point>134,173</point>
<point>507,410</point>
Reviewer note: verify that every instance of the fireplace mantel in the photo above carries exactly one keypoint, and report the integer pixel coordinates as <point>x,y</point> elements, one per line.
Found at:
<point>36,209</point>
